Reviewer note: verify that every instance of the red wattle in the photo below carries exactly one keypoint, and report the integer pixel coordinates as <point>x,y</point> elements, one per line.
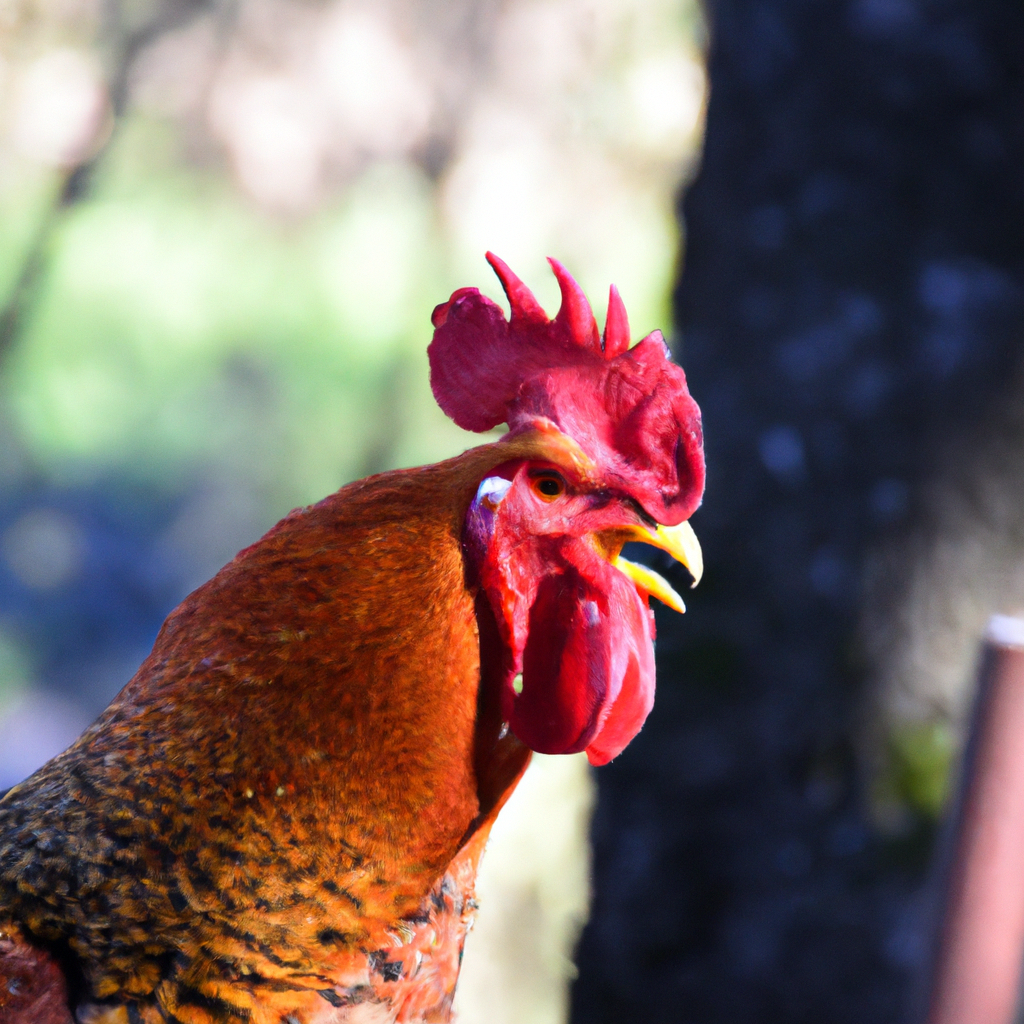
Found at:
<point>566,667</point>
<point>634,666</point>
<point>588,664</point>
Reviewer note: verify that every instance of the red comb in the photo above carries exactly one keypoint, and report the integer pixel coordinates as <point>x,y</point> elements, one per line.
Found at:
<point>628,409</point>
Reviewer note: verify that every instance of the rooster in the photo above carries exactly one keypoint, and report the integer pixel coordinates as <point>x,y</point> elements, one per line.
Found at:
<point>279,819</point>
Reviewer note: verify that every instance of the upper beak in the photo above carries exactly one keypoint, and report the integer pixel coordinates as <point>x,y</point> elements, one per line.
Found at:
<point>679,541</point>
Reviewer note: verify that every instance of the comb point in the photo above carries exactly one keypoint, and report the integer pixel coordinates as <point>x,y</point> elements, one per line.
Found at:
<point>575,314</point>
<point>616,326</point>
<point>522,302</point>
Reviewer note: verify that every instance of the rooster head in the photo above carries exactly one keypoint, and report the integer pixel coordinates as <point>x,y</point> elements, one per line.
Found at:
<point>605,447</point>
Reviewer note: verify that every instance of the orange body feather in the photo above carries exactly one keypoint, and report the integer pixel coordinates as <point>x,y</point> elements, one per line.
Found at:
<point>280,816</point>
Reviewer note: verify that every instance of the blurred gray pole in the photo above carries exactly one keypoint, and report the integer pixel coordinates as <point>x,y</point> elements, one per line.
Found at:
<point>981,948</point>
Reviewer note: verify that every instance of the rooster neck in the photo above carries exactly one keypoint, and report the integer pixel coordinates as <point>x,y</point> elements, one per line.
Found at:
<point>330,678</point>
<point>296,766</point>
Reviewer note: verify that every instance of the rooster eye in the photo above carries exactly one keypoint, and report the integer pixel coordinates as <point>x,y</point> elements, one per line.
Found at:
<point>548,486</point>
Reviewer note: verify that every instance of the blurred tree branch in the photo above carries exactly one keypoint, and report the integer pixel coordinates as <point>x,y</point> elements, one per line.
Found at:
<point>124,41</point>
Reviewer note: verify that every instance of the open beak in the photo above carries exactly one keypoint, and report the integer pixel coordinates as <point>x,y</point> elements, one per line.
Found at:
<point>679,541</point>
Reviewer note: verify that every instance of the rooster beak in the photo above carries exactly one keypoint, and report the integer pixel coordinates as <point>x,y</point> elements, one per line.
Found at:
<point>680,542</point>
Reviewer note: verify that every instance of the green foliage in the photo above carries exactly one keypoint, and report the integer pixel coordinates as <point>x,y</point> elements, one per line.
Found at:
<point>176,325</point>
<point>918,770</point>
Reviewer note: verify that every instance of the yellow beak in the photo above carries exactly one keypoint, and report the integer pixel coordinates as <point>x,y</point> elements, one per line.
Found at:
<point>679,541</point>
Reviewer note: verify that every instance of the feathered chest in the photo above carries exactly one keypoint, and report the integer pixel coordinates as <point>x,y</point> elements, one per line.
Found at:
<point>405,973</point>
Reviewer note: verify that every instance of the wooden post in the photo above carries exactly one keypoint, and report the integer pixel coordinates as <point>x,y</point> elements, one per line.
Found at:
<point>981,946</point>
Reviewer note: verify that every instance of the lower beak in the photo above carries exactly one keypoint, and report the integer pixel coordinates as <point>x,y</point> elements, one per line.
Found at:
<point>679,541</point>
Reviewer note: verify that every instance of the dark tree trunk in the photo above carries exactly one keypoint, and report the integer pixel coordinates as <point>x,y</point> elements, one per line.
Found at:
<point>851,305</point>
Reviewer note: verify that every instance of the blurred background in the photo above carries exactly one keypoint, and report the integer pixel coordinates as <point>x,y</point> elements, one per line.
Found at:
<point>223,226</point>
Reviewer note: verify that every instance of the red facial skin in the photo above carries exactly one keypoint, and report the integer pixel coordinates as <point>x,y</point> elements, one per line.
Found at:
<point>577,629</point>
